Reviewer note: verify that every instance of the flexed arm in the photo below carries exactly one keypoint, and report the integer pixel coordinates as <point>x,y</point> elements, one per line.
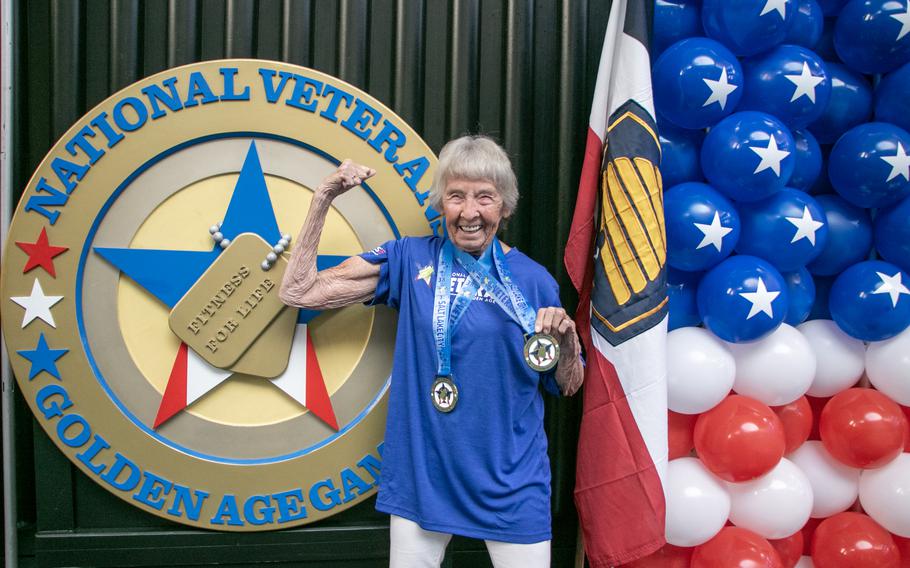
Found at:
<point>352,281</point>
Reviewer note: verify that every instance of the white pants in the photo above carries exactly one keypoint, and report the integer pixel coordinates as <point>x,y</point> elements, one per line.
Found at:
<point>414,547</point>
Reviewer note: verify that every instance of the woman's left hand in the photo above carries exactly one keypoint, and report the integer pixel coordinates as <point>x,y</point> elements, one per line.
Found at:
<point>556,322</point>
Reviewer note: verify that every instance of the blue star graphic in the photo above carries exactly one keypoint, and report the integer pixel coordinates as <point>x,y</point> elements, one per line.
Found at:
<point>169,274</point>
<point>43,358</point>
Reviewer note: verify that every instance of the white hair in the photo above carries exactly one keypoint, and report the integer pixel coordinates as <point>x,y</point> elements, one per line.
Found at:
<point>475,158</point>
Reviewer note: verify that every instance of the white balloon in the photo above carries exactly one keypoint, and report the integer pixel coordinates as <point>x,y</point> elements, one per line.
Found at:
<point>884,494</point>
<point>697,503</point>
<point>776,369</point>
<point>700,370</point>
<point>834,485</point>
<point>804,562</point>
<point>888,366</point>
<point>840,357</point>
<point>775,505</point>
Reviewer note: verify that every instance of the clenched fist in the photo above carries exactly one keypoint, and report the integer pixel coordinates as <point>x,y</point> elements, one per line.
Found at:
<point>348,175</point>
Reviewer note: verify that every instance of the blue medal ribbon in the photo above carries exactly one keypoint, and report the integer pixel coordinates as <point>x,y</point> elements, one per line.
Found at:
<point>448,313</point>
<point>507,294</point>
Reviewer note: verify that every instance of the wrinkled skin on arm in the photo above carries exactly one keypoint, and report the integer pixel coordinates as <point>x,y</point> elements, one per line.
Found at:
<point>354,280</point>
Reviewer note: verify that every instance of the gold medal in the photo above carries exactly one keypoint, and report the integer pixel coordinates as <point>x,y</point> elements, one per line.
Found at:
<point>444,394</point>
<point>541,352</point>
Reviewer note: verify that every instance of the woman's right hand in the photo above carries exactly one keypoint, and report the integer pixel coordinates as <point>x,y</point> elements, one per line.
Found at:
<point>349,174</point>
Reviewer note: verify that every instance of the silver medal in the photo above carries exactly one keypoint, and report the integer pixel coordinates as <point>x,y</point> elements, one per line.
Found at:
<point>541,352</point>
<point>444,394</point>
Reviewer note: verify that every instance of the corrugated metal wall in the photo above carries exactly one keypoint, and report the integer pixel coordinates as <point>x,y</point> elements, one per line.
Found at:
<point>520,70</point>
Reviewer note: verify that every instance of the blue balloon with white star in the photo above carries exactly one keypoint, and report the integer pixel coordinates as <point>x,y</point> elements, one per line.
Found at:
<point>702,226</point>
<point>850,104</point>
<point>870,165</point>
<point>787,229</point>
<point>697,82</point>
<point>891,234</point>
<point>873,36</point>
<point>891,101</point>
<point>801,295</point>
<point>742,299</point>
<point>789,82</point>
<point>748,27</point>
<point>870,300</point>
<point>681,289</point>
<point>808,23</point>
<point>807,160</point>
<point>674,20</point>
<point>748,156</point>
<point>849,236</point>
<point>679,151</point>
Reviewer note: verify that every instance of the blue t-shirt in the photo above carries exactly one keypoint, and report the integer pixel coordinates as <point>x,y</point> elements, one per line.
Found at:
<point>480,470</point>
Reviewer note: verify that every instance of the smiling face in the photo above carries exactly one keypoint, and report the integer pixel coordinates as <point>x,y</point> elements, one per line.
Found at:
<point>473,210</point>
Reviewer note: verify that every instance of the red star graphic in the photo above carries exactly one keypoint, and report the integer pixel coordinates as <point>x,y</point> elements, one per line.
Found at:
<point>41,253</point>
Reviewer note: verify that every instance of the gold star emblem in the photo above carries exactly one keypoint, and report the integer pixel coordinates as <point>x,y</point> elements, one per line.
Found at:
<point>425,273</point>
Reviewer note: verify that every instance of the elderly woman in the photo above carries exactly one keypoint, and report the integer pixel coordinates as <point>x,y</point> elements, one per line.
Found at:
<point>479,331</point>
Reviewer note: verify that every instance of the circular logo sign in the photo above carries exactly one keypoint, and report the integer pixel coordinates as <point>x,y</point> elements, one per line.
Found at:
<point>141,280</point>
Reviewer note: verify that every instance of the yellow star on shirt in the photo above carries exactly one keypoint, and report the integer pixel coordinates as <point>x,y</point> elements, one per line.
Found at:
<point>425,273</point>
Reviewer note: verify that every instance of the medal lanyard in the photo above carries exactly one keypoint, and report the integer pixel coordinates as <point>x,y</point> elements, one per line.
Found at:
<point>508,296</point>
<point>446,313</point>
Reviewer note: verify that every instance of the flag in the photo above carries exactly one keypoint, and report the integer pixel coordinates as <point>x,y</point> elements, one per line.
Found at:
<point>616,256</point>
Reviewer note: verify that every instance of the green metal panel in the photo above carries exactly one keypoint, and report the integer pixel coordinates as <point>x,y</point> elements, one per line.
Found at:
<point>520,70</point>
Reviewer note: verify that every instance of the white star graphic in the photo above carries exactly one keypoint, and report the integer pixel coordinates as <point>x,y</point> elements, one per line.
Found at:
<point>779,5</point>
<point>720,90</point>
<point>37,305</point>
<point>892,286</point>
<point>805,83</point>
<point>904,19</point>
<point>770,157</point>
<point>900,163</point>
<point>714,233</point>
<point>805,226</point>
<point>760,299</point>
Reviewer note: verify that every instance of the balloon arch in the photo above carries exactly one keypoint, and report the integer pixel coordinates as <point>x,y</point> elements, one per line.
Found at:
<point>786,166</point>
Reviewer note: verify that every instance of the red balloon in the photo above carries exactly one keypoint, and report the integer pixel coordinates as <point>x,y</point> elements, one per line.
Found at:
<point>853,540</point>
<point>817,405</point>
<point>739,439</point>
<point>808,531</point>
<point>797,420</point>
<point>906,430</point>
<point>903,546</point>
<point>789,549</point>
<point>681,432</point>
<point>862,428</point>
<point>667,557</point>
<point>736,547</point>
